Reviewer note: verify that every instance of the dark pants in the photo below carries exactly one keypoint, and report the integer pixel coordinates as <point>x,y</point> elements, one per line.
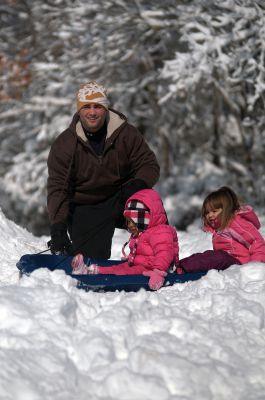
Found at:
<point>210,259</point>
<point>91,227</point>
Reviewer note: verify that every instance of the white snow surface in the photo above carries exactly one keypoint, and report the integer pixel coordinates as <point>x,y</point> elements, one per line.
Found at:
<point>198,340</point>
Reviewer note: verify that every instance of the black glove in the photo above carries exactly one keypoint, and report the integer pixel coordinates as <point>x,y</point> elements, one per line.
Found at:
<point>132,187</point>
<point>60,242</point>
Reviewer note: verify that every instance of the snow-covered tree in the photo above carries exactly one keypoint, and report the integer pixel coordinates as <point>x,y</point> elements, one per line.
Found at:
<point>215,90</point>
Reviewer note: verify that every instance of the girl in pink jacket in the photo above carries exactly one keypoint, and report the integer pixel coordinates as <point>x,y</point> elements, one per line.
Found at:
<point>236,239</point>
<point>153,243</point>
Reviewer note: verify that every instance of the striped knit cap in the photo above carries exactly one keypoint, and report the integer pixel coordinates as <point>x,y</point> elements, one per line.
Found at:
<point>92,93</point>
<point>138,213</point>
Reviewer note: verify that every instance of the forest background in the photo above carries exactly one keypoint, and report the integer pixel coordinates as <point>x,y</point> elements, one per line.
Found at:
<point>188,74</point>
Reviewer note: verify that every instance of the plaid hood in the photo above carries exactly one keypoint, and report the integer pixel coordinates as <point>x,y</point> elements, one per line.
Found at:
<point>138,213</point>
<point>153,205</point>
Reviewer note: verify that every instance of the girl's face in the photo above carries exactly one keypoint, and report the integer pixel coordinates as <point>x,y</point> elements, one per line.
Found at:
<point>132,228</point>
<point>212,215</point>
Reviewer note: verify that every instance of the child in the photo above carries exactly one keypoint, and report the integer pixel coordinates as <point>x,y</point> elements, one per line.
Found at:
<point>153,243</point>
<point>236,239</point>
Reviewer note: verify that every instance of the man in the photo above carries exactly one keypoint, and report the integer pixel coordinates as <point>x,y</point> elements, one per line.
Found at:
<point>94,166</point>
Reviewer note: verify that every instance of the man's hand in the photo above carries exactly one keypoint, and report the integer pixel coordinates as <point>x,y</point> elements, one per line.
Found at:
<point>60,243</point>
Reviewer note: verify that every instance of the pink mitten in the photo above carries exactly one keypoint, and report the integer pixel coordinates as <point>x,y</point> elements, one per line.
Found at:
<point>157,278</point>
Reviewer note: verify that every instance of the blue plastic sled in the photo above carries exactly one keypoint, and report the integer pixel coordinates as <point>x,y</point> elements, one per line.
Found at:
<point>97,283</point>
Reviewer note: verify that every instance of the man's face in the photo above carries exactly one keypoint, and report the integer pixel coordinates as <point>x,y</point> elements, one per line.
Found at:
<point>93,117</point>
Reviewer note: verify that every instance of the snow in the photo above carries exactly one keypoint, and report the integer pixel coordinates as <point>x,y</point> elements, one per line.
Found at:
<point>198,340</point>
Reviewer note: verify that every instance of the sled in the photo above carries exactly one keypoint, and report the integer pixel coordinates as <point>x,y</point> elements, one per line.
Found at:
<point>97,283</point>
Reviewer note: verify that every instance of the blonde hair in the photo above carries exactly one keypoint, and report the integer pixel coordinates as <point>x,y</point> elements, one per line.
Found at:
<point>224,198</point>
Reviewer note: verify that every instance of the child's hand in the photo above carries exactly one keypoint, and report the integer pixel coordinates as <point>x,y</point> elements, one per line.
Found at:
<point>157,278</point>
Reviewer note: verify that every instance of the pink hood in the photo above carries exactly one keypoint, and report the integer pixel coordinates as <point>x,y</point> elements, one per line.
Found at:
<point>151,200</point>
<point>247,213</point>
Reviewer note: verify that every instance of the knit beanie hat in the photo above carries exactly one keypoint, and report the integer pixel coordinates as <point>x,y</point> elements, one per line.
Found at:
<point>138,213</point>
<point>92,93</point>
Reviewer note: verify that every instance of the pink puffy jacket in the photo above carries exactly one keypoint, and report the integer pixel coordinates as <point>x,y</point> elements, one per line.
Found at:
<point>157,246</point>
<point>241,237</point>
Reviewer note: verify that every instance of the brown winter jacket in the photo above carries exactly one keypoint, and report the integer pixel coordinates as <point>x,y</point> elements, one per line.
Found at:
<point>77,174</point>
